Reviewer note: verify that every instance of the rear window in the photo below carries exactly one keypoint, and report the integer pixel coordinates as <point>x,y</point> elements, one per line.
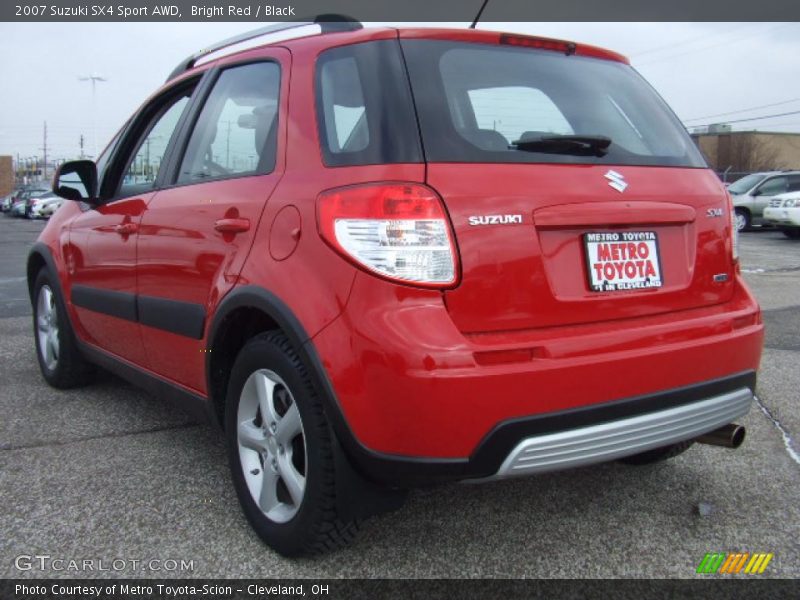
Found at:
<point>364,107</point>
<point>475,101</point>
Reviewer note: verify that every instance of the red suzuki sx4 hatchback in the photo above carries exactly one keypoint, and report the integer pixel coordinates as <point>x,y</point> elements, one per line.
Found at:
<point>384,258</point>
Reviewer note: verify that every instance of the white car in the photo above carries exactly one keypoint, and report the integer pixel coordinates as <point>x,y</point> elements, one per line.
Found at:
<point>784,212</point>
<point>42,208</point>
<point>50,206</point>
<point>754,193</point>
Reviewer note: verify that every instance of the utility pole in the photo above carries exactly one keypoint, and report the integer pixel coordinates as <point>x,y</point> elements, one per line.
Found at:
<point>44,150</point>
<point>147,159</point>
<point>228,147</point>
<point>94,78</point>
<point>81,144</point>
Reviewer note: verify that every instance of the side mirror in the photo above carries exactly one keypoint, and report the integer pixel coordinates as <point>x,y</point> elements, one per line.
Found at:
<point>76,180</point>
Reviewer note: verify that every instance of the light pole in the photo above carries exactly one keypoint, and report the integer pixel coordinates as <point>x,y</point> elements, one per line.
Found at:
<point>94,78</point>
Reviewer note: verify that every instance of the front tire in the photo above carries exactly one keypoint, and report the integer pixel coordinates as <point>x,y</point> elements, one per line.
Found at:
<point>743,219</point>
<point>280,449</point>
<point>60,360</point>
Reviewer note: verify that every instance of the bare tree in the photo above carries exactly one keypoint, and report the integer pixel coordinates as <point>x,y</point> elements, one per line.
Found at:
<point>746,154</point>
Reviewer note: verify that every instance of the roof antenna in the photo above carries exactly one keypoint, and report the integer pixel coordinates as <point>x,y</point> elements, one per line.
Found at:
<point>478,16</point>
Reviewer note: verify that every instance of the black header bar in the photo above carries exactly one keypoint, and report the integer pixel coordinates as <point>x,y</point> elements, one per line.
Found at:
<point>400,11</point>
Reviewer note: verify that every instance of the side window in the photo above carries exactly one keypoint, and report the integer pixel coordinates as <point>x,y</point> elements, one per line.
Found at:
<point>237,130</point>
<point>771,187</point>
<point>143,167</point>
<point>794,183</point>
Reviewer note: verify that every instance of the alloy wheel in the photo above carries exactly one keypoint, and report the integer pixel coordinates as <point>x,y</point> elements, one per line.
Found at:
<point>47,327</point>
<point>272,446</point>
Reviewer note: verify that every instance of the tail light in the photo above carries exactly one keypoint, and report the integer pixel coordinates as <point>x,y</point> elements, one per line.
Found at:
<point>397,230</point>
<point>734,230</point>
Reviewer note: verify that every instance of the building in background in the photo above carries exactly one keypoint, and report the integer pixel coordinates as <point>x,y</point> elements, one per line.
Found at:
<point>740,152</point>
<point>7,180</point>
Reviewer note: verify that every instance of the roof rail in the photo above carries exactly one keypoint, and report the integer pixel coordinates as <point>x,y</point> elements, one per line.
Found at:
<point>329,23</point>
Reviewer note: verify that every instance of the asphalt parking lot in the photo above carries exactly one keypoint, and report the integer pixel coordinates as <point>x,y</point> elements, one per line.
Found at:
<point>108,472</point>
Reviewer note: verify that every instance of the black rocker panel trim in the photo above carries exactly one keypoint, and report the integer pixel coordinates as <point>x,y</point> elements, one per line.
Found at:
<point>182,318</point>
<point>108,302</point>
<point>192,403</point>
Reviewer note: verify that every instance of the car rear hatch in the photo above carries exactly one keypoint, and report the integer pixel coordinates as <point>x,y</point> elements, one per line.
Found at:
<point>556,225</point>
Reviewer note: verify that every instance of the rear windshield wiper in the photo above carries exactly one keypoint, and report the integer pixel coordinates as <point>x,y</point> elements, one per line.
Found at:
<point>581,145</point>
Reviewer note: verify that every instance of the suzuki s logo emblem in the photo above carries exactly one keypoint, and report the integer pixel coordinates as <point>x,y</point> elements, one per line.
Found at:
<point>616,181</point>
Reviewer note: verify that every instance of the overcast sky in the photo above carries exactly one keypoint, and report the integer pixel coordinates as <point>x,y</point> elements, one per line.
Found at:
<point>701,69</point>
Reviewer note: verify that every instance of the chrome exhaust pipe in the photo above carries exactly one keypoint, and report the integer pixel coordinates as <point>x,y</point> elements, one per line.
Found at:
<point>728,436</point>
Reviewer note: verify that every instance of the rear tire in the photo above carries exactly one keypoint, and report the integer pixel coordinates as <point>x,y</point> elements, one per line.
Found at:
<point>658,454</point>
<point>280,449</point>
<point>60,361</point>
<point>792,233</point>
<point>743,219</point>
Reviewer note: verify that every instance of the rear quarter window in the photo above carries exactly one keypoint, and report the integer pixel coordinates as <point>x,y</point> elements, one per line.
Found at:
<point>365,112</point>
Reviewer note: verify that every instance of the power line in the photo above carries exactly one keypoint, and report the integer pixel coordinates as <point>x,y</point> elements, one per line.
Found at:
<point>710,46</point>
<point>733,112</point>
<point>690,40</point>
<point>794,112</point>
<point>786,124</point>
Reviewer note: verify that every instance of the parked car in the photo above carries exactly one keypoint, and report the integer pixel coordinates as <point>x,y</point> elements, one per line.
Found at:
<point>23,196</point>
<point>445,255</point>
<point>51,207</point>
<point>7,201</point>
<point>753,193</point>
<point>18,208</point>
<point>784,212</point>
<point>44,206</point>
<point>35,198</point>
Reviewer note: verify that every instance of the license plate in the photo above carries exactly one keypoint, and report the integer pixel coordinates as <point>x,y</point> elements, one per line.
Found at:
<point>625,260</point>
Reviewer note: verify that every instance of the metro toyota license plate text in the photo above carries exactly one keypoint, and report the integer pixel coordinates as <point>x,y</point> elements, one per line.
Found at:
<point>625,260</point>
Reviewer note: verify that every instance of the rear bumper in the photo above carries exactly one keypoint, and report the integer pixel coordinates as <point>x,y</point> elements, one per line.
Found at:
<point>414,400</point>
<point>695,409</point>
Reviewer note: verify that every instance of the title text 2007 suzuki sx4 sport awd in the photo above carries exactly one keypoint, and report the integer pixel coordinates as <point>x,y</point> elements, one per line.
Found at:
<point>385,258</point>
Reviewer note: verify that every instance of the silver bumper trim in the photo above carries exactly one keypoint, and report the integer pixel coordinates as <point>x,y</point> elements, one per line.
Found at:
<point>624,437</point>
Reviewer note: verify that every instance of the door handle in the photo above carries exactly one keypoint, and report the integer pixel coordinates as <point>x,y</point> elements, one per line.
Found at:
<point>126,228</point>
<point>232,225</point>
